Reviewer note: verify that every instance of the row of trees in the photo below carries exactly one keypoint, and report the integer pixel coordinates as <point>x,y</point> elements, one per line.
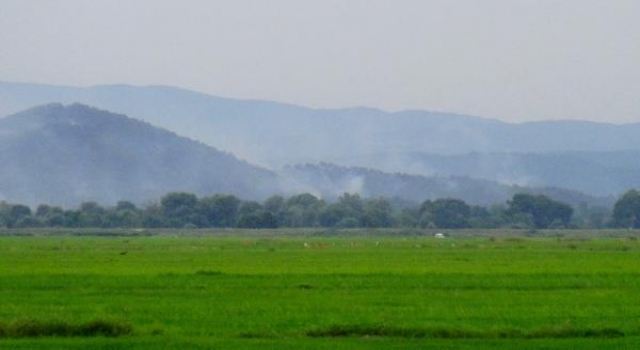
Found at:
<point>180,210</point>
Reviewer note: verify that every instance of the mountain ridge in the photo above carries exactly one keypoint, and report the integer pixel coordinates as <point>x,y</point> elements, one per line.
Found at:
<point>248,128</point>
<point>26,85</point>
<point>273,135</point>
<point>64,155</point>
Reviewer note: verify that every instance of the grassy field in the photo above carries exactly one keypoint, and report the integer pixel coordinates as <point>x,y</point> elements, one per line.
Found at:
<point>319,290</point>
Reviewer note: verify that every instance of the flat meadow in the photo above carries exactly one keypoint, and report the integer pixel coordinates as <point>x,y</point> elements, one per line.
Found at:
<point>318,289</point>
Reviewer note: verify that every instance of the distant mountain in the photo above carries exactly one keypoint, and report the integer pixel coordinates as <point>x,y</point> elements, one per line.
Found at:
<point>330,181</point>
<point>275,134</point>
<point>594,158</point>
<point>65,155</point>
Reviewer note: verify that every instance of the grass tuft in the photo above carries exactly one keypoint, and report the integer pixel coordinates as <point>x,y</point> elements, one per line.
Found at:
<point>208,273</point>
<point>31,328</point>
<point>336,331</point>
<point>571,332</point>
<point>104,328</point>
<point>257,335</point>
<point>367,331</point>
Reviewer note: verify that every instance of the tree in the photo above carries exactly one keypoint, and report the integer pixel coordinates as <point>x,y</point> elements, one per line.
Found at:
<point>220,210</point>
<point>50,216</point>
<point>450,213</point>
<point>351,209</point>
<point>14,214</point>
<point>626,211</point>
<point>72,218</point>
<point>91,215</point>
<point>542,211</point>
<point>152,216</point>
<point>377,213</point>
<point>330,215</point>
<point>4,214</point>
<point>124,214</point>
<point>407,217</point>
<point>480,217</point>
<point>593,217</point>
<point>304,200</point>
<point>179,209</point>
<point>277,206</point>
<point>126,205</point>
<point>303,210</point>
<point>252,215</point>
<point>352,204</point>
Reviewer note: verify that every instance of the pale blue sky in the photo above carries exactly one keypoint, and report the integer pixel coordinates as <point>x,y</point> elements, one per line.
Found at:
<point>515,60</point>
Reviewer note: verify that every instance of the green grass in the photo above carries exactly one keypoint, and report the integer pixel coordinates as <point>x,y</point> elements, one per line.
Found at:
<point>51,328</point>
<point>315,290</point>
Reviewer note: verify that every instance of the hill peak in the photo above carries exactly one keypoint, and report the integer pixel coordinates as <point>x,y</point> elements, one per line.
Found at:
<point>64,155</point>
<point>59,112</point>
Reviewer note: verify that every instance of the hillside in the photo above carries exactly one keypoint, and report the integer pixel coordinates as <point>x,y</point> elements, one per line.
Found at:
<point>330,181</point>
<point>64,155</point>
<point>275,134</point>
<point>598,173</point>
<point>593,158</point>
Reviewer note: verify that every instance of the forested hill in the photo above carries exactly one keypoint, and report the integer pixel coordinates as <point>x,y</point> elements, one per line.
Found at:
<point>330,181</point>
<point>275,134</point>
<point>600,174</point>
<point>66,155</point>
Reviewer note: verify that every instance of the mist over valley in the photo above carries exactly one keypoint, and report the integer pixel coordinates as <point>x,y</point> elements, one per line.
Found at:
<point>257,148</point>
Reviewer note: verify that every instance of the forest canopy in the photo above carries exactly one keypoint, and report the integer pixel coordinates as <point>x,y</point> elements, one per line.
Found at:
<point>186,210</point>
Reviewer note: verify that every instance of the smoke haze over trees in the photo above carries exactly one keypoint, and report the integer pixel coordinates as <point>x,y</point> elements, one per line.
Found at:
<point>186,210</point>
<point>597,159</point>
<point>68,155</point>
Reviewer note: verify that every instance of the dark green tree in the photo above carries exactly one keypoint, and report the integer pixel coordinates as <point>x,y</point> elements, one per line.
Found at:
<point>253,215</point>
<point>444,213</point>
<point>377,213</point>
<point>626,211</point>
<point>220,210</point>
<point>180,209</point>
<point>277,206</point>
<point>352,208</point>
<point>15,214</point>
<point>304,200</point>
<point>50,216</point>
<point>124,214</point>
<point>152,216</point>
<point>126,205</point>
<point>330,215</point>
<point>72,218</point>
<point>303,210</point>
<point>542,211</point>
<point>92,215</point>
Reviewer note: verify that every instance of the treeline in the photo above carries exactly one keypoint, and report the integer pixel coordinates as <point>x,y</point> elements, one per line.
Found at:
<point>186,210</point>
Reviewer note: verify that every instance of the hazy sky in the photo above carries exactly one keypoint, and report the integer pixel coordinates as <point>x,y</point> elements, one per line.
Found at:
<point>514,60</point>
